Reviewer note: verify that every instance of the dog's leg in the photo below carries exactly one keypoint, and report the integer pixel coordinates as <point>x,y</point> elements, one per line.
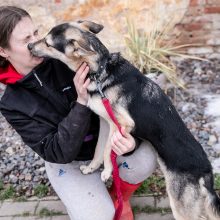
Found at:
<point>125,121</point>
<point>107,172</point>
<point>99,151</point>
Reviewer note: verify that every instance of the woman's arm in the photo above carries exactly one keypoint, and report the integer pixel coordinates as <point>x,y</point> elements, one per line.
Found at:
<point>59,144</point>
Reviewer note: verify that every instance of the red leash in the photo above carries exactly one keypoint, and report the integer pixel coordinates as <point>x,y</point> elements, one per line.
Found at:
<point>115,173</point>
<point>116,177</point>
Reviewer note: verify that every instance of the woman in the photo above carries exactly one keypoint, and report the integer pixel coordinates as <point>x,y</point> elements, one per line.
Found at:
<point>45,102</point>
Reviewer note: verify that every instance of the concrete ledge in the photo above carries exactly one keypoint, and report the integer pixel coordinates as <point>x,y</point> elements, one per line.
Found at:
<point>17,208</point>
<point>51,205</point>
<point>142,201</point>
<point>156,202</point>
<point>10,210</point>
<point>144,216</point>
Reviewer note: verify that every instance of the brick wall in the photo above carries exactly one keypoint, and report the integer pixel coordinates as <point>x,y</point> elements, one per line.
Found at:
<point>201,25</point>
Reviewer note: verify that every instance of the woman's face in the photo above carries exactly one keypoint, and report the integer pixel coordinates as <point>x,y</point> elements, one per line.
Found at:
<point>18,54</point>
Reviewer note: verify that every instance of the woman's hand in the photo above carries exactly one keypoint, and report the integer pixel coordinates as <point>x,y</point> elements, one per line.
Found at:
<point>81,84</point>
<point>122,143</point>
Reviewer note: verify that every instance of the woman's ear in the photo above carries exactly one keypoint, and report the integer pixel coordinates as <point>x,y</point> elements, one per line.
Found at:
<point>3,53</point>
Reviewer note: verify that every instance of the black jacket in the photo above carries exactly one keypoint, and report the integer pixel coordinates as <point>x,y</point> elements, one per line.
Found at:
<point>41,107</point>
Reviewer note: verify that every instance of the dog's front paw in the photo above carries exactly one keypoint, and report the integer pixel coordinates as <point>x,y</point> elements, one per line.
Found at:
<point>106,174</point>
<point>86,169</point>
<point>109,182</point>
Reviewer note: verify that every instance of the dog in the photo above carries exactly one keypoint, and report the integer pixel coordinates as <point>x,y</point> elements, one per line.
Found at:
<point>144,110</point>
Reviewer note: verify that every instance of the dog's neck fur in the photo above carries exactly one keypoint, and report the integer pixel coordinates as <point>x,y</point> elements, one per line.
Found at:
<point>111,59</point>
<point>102,63</point>
<point>102,73</point>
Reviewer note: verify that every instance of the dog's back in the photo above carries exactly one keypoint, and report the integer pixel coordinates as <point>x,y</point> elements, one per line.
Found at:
<point>157,120</point>
<point>187,169</point>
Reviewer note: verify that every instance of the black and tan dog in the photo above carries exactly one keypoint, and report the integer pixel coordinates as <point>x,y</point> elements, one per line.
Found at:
<point>142,107</point>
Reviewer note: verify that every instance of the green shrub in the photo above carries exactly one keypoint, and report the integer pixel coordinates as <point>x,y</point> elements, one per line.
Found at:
<point>1,185</point>
<point>153,185</point>
<point>44,212</point>
<point>41,190</point>
<point>217,181</point>
<point>7,193</point>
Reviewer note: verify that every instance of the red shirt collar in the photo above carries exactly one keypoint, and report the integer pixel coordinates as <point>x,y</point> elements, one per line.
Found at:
<point>9,75</point>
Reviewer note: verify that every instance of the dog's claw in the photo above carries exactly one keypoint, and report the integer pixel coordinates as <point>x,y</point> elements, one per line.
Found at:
<point>105,175</point>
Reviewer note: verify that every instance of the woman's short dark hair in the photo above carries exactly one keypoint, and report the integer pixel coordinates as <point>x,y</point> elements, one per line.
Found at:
<point>9,17</point>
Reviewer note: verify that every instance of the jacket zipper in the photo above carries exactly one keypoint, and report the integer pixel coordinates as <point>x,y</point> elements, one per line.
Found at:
<point>55,99</point>
<point>36,76</point>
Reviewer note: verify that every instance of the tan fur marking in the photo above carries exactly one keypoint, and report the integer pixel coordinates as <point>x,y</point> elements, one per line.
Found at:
<point>49,40</point>
<point>124,118</point>
<point>73,33</point>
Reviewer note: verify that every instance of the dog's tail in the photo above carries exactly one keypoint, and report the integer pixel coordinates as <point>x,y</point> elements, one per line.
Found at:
<point>212,200</point>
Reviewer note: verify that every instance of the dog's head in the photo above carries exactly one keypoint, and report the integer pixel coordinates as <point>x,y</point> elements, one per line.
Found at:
<point>73,43</point>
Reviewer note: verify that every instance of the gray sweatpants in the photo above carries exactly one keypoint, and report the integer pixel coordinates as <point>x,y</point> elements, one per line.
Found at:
<point>86,196</point>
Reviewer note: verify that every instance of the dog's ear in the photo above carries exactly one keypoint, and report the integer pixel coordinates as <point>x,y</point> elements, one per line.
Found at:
<point>85,46</point>
<point>91,26</point>
<point>81,48</point>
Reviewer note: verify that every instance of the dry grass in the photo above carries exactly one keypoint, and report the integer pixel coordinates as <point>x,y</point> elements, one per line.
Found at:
<point>151,51</point>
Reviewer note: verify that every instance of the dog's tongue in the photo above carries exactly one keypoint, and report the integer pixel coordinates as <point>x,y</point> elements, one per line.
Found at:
<point>9,75</point>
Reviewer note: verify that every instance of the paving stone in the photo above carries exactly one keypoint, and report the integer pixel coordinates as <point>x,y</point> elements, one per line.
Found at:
<point>142,201</point>
<point>52,205</point>
<point>34,198</point>
<point>145,216</point>
<point>25,218</point>
<point>61,217</point>
<point>163,202</point>
<point>48,198</point>
<point>5,218</point>
<point>17,208</point>
<point>43,218</point>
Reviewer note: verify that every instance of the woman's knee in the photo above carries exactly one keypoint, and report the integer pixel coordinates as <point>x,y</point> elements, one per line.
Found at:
<point>147,157</point>
<point>140,165</point>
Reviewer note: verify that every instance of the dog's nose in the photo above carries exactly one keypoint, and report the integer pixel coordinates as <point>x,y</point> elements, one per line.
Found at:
<point>30,46</point>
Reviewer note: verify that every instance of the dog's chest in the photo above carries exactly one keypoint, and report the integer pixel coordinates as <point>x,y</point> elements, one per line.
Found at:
<point>95,102</point>
<point>96,105</point>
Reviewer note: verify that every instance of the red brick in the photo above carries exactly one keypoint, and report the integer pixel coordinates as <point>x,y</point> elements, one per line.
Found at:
<point>212,10</point>
<point>199,33</point>
<point>193,26</point>
<point>193,3</point>
<point>194,11</point>
<point>196,2</point>
<point>193,40</point>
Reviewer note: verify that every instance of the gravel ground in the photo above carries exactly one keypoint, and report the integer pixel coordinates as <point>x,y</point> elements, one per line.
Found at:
<point>24,169</point>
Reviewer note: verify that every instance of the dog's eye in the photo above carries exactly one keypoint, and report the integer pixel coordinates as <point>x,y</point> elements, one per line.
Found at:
<point>71,42</point>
